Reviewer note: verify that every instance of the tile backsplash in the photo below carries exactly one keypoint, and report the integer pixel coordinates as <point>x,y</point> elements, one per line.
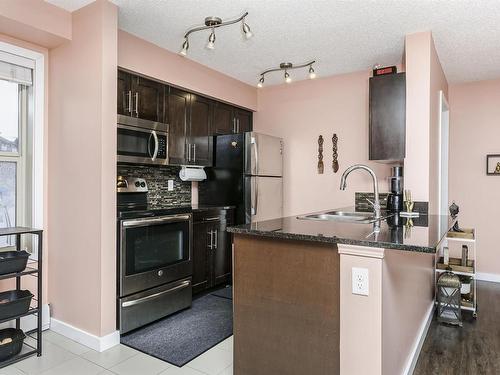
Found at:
<point>157,179</point>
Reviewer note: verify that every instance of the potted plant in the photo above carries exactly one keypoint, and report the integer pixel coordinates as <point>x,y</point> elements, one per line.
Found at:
<point>466,281</point>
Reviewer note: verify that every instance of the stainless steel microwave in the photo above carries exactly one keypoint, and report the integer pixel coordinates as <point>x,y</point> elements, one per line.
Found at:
<point>141,141</point>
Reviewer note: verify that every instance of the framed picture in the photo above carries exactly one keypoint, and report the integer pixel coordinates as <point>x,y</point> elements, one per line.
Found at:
<point>493,165</point>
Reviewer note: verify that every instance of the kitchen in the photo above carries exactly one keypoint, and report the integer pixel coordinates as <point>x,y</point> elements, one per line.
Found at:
<point>180,168</point>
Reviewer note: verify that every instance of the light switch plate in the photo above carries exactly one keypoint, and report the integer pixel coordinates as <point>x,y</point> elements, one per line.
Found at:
<point>360,281</point>
<point>170,185</point>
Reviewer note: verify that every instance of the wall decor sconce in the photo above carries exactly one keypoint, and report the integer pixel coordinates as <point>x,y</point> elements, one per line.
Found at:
<point>211,23</point>
<point>286,66</point>
<point>335,161</point>
<point>493,165</point>
<point>321,167</point>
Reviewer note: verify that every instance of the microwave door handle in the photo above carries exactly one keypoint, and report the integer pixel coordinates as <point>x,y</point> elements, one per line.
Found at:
<point>155,152</point>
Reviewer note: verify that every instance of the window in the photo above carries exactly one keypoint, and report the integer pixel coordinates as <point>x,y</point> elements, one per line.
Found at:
<point>16,100</point>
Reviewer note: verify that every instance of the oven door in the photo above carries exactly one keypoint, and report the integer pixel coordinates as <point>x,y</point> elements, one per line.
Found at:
<point>137,145</point>
<point>154,251</point>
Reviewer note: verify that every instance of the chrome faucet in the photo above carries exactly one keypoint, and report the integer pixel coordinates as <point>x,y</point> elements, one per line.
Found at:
<point>343,185</point>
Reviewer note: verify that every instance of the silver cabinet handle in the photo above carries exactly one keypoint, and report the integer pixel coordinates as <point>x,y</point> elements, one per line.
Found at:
<point>127,102</point>
<point>184,284</point>
<point>234,125</point>
<point>211,240</point>
<point>155,152</point>
<point>215,239</point>
<point>157,220</point>
<point>237,125</point>
<point>194,152</point>
<point>211,218</point>
<point>189,151</point>
<point>136,95</point>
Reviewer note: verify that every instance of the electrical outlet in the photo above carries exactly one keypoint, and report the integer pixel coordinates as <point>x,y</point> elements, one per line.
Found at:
<point>170,185</point>
<point>360,281</point>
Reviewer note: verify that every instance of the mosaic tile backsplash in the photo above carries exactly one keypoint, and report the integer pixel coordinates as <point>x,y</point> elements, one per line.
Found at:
<point>157,177</point>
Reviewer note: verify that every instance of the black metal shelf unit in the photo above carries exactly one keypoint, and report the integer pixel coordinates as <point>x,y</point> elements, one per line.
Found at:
<point>33,269</point>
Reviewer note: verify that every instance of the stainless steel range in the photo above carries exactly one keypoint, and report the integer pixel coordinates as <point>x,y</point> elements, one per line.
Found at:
<point>155,257</point>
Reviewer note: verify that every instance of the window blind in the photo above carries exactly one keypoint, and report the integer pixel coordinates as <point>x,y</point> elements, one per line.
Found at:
<point>16,69</point>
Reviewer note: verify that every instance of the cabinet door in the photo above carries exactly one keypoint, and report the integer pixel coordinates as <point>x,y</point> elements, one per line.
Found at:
<point>178,105</point>
<point>387,117</point>
<point>200,140</point>
<point>124,94</point>
<point>243,121</point>
<point>224,121</point>
<point>147,99</point>
<point>223,255</point>
<point>201,256</point>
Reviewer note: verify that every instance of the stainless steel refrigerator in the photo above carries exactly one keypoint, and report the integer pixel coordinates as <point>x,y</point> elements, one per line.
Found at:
<point>247,173</point>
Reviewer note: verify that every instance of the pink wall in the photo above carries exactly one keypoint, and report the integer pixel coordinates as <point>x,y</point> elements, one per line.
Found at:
<point>299,113</point>
<point>82,159</point>
<point>475,132</point>
<point>424,80</point>
<point>144,57</point>
<point>35,21</point>
<point>407,297</point>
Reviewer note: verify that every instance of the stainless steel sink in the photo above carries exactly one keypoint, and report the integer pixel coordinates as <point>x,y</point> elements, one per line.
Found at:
<point>346,216</point>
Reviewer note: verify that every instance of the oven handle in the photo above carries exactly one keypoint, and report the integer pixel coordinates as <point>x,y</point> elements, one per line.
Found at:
<point>134,302</point>
<point>156,220</point>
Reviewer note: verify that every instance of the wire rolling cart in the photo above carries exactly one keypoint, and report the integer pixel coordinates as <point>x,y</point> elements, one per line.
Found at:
<point>467,238</point>
<point>33,269</point>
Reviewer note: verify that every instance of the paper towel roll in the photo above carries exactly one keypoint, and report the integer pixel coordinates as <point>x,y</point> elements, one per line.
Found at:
<point>192,173</point>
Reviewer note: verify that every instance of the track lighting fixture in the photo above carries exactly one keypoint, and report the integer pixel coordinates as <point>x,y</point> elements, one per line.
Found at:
<point>261,82</point>
<point>211,41</point>
<point>286,67</point>
<point>312,73</point>
<point>212,23</point>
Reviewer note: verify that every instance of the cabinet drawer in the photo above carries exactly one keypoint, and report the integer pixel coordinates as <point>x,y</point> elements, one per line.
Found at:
<point>145,307</point>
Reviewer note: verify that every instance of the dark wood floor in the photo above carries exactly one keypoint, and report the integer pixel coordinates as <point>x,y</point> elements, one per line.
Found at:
<point>470,350</point>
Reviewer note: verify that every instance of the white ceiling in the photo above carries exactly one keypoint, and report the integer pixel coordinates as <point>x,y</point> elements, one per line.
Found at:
<point>343,36</point>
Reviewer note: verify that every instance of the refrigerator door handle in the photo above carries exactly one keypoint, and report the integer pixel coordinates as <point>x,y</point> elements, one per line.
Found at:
<point>256,155</point>
<point>256,196</point>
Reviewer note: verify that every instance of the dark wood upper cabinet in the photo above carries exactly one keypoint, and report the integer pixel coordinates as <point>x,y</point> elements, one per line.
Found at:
<point>147,99</point>
<point>124,94</point>
<point>387,108</point>
<point>243,121</point>
<point>199,139</point>
<point>178,112</point>
<point>140,97</point>
<point>230,120</point>
<point>223,119</point>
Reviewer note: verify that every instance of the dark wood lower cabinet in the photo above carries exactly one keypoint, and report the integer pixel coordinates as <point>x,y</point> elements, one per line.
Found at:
<point>212,249</point>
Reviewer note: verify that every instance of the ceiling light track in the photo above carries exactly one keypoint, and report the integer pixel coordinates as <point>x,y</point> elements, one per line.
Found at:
<point>211,23</point>
<point>286,66</point>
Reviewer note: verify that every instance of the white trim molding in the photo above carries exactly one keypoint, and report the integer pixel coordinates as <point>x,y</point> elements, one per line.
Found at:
<point>491,277</point>
<point>96,343</point>
<point>361,251</point>
<point>417,346</point>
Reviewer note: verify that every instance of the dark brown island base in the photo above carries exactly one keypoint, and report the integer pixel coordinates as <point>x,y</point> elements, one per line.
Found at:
<point>295,312</point>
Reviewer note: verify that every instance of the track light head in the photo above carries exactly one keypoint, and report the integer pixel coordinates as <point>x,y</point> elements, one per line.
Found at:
<point>288,79</point>
<point>211,41</point>
<point>185,47</point>
<point>261,82</point>
<point>312,74</point>
<point>247,33</point>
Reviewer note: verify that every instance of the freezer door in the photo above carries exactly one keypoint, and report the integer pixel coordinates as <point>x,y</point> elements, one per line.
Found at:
<point>264,198</point>
<point>263,155</point>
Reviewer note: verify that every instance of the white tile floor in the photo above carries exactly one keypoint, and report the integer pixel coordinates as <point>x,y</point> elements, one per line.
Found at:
<point>62,356</point>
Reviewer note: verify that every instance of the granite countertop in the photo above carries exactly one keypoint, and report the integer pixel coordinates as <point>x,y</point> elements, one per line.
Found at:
<point>395,233</point>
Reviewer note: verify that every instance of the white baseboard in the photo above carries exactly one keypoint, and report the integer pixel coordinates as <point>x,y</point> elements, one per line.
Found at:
<point>417,346</point>
<point>97,343</point>
<point>492,277</point>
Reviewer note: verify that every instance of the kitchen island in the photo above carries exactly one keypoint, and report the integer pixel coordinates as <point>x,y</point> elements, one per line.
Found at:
<point>295,311</point>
